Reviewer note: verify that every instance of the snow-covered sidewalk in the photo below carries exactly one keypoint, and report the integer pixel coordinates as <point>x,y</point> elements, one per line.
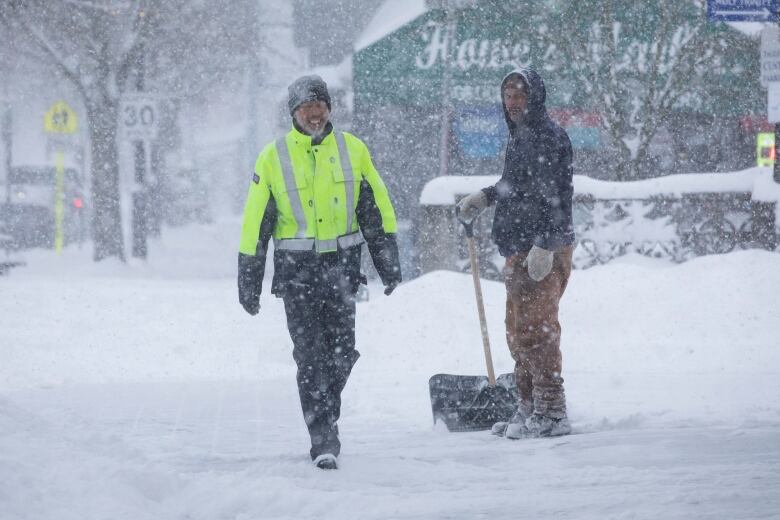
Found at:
<point>238,450</point>
<point>144,391</point>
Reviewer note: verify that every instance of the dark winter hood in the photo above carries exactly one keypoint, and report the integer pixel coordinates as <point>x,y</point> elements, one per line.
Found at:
<point>536,110</point>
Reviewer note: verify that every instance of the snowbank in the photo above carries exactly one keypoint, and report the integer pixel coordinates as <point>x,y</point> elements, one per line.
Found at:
<point>443,191</point>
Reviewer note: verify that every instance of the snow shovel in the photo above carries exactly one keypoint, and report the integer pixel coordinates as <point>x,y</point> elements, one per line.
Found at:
<point>473,403</point>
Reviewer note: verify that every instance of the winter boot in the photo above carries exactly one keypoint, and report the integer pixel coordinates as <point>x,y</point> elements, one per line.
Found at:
<point>542,426</point>
<point>515,427</point>
<point>326,461</point>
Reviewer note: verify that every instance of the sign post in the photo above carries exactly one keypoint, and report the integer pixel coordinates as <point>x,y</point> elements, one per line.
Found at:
<point>760,11</point>
<point>770,78</point>
<point>452,8</point>
<point>7,137</point>
<point>446,97</point>
<point>6,132</point>
<point>59,120</point>
<point>773,102</point>
<point>139,120</point>
<point>770,55</point>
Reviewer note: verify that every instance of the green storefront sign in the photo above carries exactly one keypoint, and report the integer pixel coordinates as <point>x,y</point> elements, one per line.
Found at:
<point>407,67</point>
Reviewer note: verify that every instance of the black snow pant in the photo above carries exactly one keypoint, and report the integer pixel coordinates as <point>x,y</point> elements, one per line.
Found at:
<point>321,322</point>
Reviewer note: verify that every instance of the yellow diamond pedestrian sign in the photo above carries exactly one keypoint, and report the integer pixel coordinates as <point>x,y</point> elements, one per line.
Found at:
<point>60,119</point>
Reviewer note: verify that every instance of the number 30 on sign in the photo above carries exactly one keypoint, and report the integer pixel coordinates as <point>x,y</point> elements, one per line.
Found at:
<point>139,118</point>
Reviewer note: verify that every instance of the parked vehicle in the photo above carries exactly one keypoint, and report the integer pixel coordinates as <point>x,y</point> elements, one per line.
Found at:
<point>28,214</point>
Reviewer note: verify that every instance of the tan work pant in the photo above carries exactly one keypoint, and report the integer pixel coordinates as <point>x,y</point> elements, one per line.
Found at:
<point>534,334</point>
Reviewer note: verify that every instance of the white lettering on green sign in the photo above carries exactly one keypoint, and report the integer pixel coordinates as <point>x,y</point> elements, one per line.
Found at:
<point>476,93</point>
<point>470,53</point>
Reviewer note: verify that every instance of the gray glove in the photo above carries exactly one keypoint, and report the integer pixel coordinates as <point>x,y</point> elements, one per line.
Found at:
<point>539,262</point>
<point>472,205</point>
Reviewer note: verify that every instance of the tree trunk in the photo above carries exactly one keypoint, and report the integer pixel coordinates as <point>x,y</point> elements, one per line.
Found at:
<point>107,215</point>
<point>623,166</point>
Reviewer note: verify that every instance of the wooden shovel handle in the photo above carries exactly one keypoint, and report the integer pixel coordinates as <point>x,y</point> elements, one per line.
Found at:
<point>481,310</point>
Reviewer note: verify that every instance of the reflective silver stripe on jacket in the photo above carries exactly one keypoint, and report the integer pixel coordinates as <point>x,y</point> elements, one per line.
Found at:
<point>300,243</point>
<point>292,188</point>
<point>322,246</point>
<point>308,244</point>
<point>353,239</point>
<point>294,244</point>
<point>349,179</point>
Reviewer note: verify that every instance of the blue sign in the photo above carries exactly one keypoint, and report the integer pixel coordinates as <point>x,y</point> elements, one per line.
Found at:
<point>742,10</point>
<point>481,131</point>
<point>584,137</point>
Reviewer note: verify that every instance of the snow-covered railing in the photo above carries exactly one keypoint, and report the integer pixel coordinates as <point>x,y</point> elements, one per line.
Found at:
<point>677,216</point>
<point>445,191</point>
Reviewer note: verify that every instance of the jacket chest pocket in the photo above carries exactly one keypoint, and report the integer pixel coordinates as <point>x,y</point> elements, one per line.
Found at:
<point>297,192</point>
<point>343,184</point>
<point>335,172</point>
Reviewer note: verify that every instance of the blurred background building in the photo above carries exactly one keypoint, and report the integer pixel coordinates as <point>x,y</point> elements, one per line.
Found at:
<point>417,80</point>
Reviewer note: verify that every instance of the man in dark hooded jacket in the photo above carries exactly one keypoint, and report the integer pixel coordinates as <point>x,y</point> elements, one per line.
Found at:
<point>533,230</point>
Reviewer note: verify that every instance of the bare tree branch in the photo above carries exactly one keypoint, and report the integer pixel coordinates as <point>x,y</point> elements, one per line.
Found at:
<point>59,61</point>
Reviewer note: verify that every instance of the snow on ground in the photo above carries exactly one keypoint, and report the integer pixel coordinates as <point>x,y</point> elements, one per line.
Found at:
<point>143,390</point>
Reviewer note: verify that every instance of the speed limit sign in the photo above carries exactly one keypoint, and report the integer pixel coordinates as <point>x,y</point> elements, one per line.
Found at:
<point>139,118</point>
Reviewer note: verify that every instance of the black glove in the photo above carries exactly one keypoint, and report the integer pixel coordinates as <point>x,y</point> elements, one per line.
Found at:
<point>250,306</point>
<point>250,279</point>
<point>384,253</point>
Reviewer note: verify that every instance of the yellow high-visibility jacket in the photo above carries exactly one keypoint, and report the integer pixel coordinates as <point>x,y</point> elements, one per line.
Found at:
<point>316,198</point>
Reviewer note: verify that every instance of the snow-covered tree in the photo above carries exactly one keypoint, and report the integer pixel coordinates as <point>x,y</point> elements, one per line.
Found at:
<point>95,45</point>
<point>638,62</point>
<point>108,47</point>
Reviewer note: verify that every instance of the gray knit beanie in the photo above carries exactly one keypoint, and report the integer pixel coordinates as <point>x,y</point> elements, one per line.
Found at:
<point>307,88</point>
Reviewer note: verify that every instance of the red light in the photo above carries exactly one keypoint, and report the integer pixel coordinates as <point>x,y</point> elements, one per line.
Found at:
<point>78,203</point>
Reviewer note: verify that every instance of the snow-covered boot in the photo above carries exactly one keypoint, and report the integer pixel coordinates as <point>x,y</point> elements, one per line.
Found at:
<point>515,427</point>
<point>326,461</point>
<point>543,426</point>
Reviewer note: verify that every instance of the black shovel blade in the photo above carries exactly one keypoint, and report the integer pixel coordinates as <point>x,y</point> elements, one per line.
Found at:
<point>469,403</point>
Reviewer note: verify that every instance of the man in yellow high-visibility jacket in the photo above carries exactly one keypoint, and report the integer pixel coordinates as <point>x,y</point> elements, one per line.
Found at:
<point>316,191</point>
